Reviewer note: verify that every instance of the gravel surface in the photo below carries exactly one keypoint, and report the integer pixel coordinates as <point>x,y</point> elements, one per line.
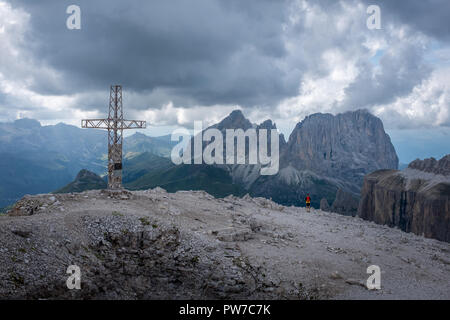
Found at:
<point>189,245</point>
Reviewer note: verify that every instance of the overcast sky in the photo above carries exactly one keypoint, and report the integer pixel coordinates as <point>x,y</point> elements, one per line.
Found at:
<point>180,61</point>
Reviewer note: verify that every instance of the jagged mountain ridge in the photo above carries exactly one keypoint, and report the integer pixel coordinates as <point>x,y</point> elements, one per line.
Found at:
<point>323,154</point>
<point>344,141</point>
<point>441,167</point>
<point>245,174</point>
<point>302,171</point>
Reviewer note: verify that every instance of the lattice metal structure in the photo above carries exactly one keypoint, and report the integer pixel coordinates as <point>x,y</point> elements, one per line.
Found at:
<point>115,124</point>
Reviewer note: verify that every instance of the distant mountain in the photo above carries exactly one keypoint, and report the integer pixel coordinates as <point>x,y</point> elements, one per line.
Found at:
<point>139,143</point>
<point>75,148</point>
<point>142,165</point>
<point>218,180</point>
<point>147,170</point>
<point>137,168</point>
<point>245,174</point>
<point>431,165</point>
<point>85,180</point>
<point>345,147</point>
<point>39,159</point>
<point>213,180</point>
<point>324,154</point>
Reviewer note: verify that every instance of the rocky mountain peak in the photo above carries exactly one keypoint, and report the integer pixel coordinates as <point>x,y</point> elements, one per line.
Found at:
<point>345,146</point>
<point>267,124</point>
<point>235,119</point>
<point>236,114</point>
<point>139,134</point>
<point>85,180</point>
<point>86,174</point>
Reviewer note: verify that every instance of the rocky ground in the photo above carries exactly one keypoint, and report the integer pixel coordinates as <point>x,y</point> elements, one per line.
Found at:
<point>152,245</point>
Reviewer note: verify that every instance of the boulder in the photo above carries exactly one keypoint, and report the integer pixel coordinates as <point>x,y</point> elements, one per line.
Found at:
<point>324,206</point>
<point>345,203</point>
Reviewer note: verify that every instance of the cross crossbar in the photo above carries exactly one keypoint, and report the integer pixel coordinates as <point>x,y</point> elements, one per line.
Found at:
<point>111,124</point>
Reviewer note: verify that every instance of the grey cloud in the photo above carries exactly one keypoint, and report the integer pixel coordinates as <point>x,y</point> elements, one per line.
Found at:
<point>401,70</point>
<point>204,51</point>
<point>431,16</point>
<point>218,52</point>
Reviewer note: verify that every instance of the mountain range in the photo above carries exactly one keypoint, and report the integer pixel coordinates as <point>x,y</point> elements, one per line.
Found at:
<point>40,159</point>
<point>325,155</point>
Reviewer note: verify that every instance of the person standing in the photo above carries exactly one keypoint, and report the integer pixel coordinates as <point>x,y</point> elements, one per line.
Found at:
<point>308,202</point>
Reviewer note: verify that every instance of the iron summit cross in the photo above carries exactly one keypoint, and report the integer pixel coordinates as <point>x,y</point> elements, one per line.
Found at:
<point>115,124</point>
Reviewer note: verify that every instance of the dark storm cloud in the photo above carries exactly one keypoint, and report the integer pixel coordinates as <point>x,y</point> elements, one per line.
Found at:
<point>204,52</point>
<point>211,53</point>
<point>430,17</point>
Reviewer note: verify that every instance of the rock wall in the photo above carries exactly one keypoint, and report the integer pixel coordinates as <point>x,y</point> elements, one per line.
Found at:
<point>412,200</point>
<point>326,153</point>
<point>345,146</point>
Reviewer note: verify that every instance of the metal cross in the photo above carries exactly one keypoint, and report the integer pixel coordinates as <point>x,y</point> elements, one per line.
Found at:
<point>115,124</point>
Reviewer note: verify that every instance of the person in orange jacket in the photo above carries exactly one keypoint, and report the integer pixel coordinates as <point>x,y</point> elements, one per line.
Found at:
<point>308,202</point>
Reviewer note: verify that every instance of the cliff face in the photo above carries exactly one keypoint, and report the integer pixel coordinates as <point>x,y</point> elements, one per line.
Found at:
<point>326,153</point>
<point>346,146</point>
<point>415,200</point>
